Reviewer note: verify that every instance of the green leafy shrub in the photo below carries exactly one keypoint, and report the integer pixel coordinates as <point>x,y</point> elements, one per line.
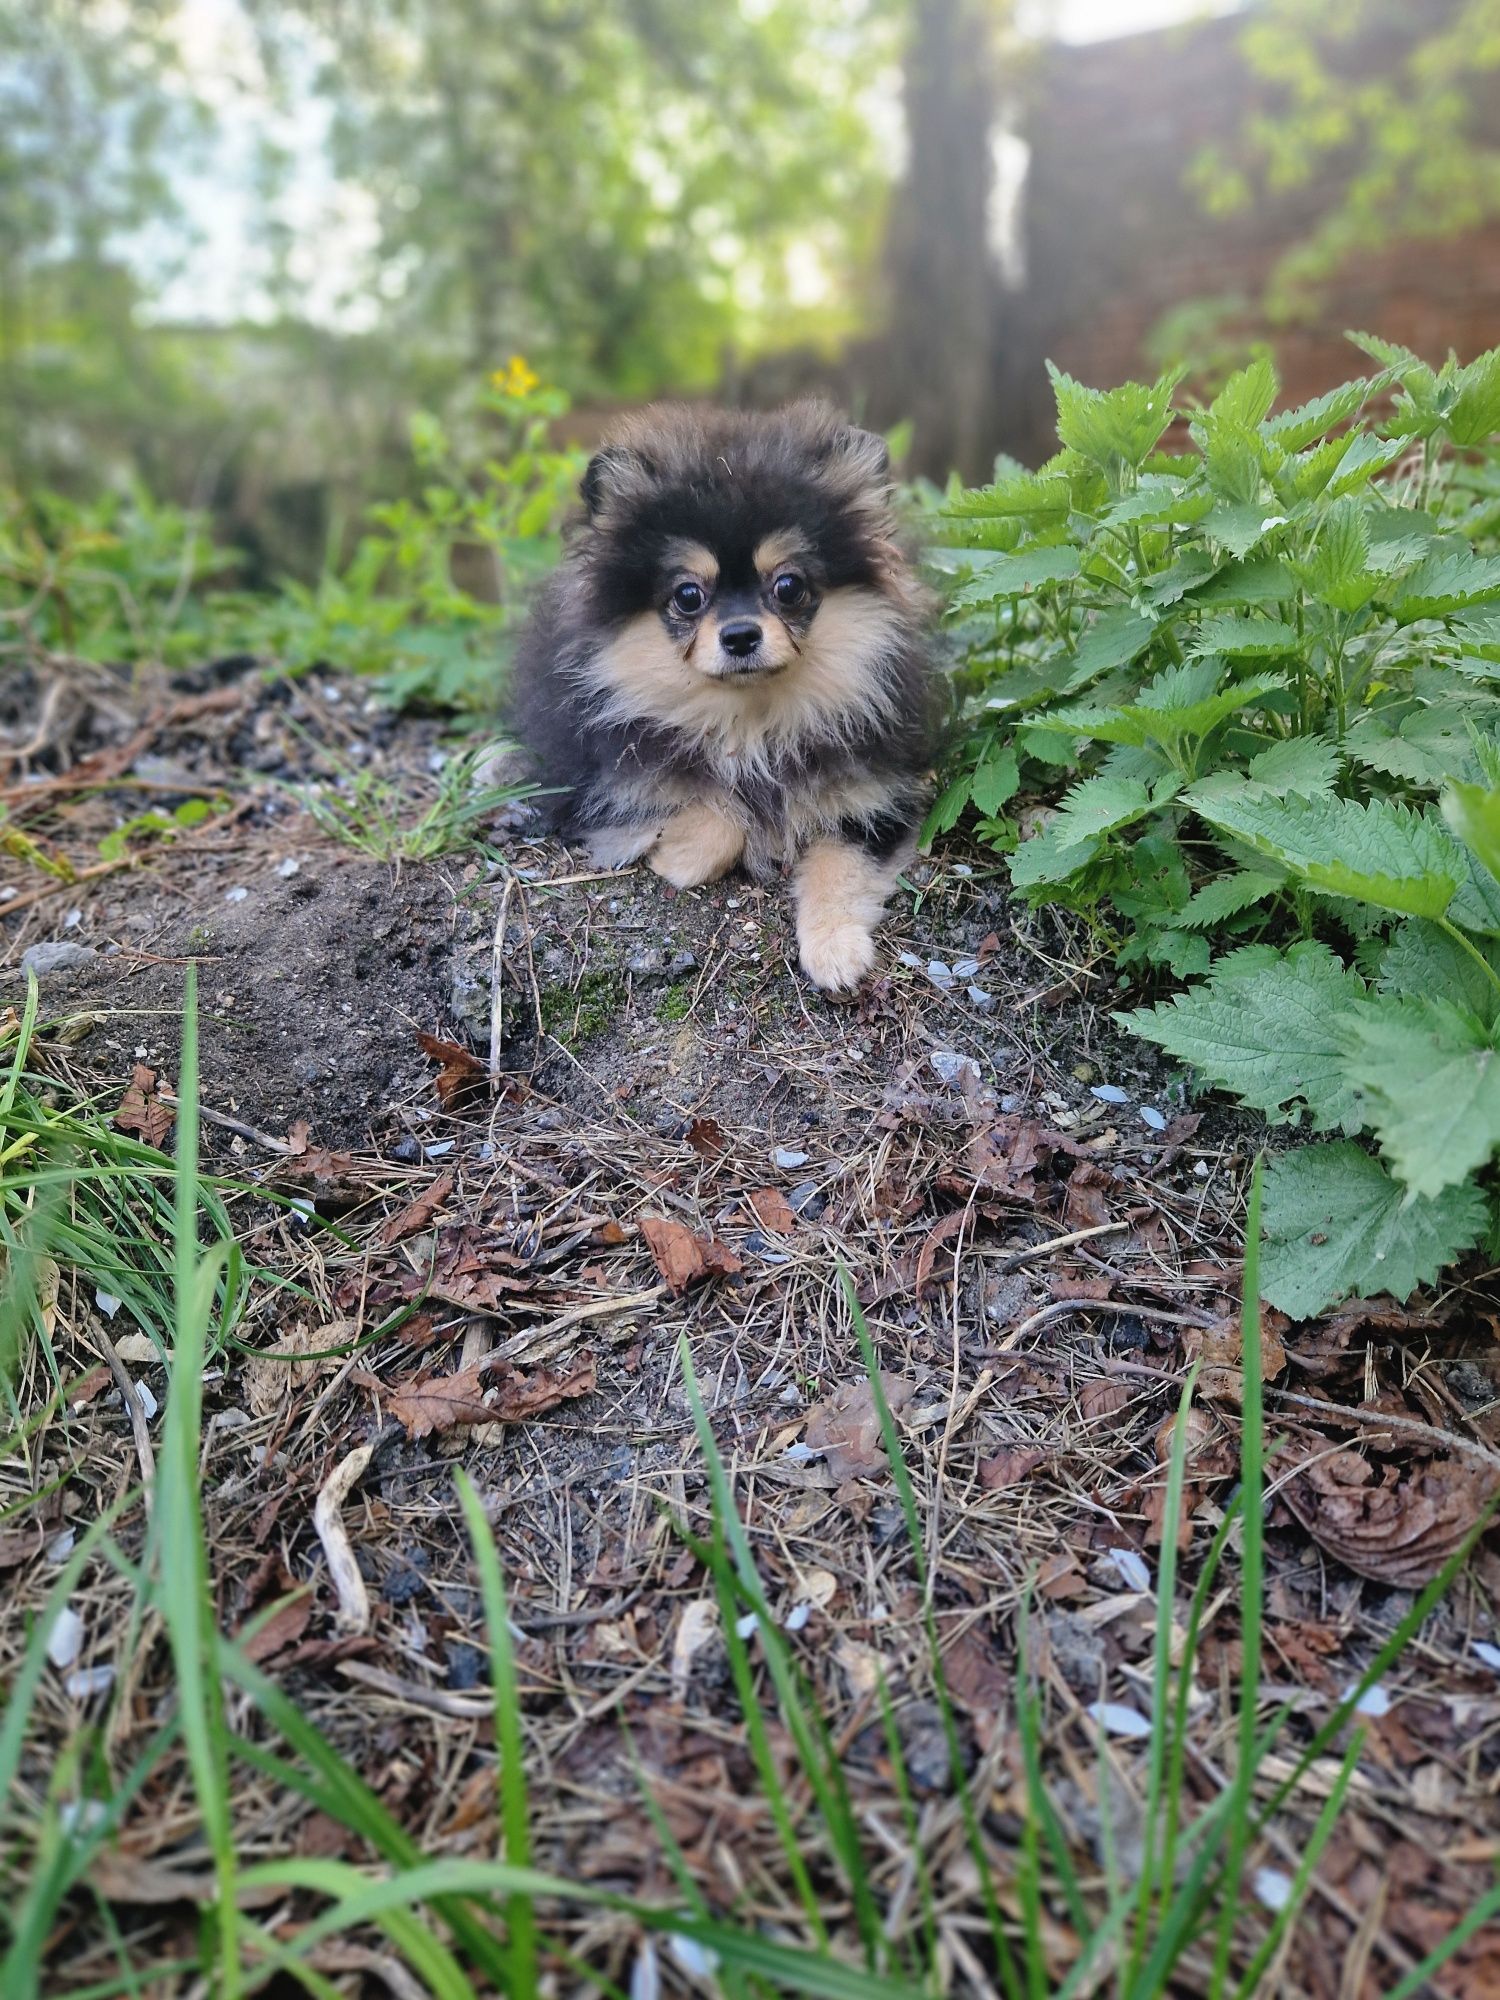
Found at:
<point>117,578</point>
<point>1255,682</point>
<point>439,581</point>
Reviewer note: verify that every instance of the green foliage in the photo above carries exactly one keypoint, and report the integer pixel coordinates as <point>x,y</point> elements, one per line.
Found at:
<point>116,578</point>
<point>428,600</point>
<point>1257,684</point>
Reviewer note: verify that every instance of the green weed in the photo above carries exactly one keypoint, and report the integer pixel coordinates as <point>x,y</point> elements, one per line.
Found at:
<point>383,818</point>
<point>1259,681</point>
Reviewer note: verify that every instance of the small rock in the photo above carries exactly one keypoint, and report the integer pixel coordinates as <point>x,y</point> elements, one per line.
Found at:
<point>1118,1719</point>
<point>682,962</point>
<point>1374,1702</point>
<point>61,1546</point>
<point>965,968</point>
<point>939,973</point>
<point>44,959</point>
<point>466,1665</point>
<point>1131,1567</point>
<point>406,1150</point>
<point>1273,1890</point>
<point>954,1068</point>
<point>786,1157</point>
<point>806,1200</point>
<point>648,963</point>
<point>1152,1117</point>
<point>236,895</point>
<point>291,866</point>
<point>977,997</point>
<point>1488,1653</point>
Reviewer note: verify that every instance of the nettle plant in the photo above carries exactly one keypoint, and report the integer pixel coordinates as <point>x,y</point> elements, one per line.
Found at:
<point>1258,683</point>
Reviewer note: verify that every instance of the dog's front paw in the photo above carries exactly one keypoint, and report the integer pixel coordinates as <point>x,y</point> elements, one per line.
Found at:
<point>836,956</point>
<point>698,845</point>
<point>619,846</point>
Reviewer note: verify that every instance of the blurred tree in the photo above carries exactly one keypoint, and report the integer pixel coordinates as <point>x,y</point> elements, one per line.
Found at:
<point>1392,102</point>
<point>624,187</point>
<point>91,103</point>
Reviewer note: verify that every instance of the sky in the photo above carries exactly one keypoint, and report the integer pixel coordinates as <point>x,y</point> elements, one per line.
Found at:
<point>332,226</point>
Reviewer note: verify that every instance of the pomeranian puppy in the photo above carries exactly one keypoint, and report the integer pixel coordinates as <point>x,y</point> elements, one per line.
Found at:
<point>730,667</point>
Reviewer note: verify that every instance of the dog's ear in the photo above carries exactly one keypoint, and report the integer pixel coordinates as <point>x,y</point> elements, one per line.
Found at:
<point>611,474</point>
<point>859,456</point>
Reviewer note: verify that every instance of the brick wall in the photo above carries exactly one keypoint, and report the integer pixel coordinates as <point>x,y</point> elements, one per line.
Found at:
<point>1114,240</point>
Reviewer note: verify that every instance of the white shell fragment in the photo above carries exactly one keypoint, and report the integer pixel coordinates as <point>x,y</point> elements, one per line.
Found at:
<point>65,1640</point>
<point>1118,1719</point>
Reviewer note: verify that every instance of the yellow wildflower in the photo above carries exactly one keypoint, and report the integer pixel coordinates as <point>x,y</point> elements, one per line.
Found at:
<point>518,379</point>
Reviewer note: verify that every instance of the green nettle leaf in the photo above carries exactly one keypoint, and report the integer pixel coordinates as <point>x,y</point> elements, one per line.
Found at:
<point>1097,807</point>
<point>1444,583</point>
<point>1295,430</point>
<point>1429,1082</point>
<point>1473,812</point>
<point>1264,1026</point>
<point>1337,1223</point>
<point>1192,569</point>
<point>1170,711</point>
<point>1364,458</point>
<point>1029,496</point>
<point>1239,526</point>
<point>1426,747</point>
<point>1421,960</point>
<point>1246,398</point>
<point>1474,415</point>
<point>948,808</point>
<point>1216,902</point>
<point>1306,765</point>
<point>996,782</point>
<point>1110,426</point>
<point>1267,580</point>
<point>1246,638</point>
<point>1158,501</point>
<point>1338,571</point>
<point>1116,638</point>
<point>1373,853</point>
<point>1014,576</point>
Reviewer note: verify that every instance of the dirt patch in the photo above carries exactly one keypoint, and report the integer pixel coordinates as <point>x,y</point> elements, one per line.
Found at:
<point>685,1144</point>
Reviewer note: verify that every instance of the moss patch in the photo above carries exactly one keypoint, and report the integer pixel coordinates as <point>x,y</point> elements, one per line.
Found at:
<point>575,1014</point>
<point>676,1003</point>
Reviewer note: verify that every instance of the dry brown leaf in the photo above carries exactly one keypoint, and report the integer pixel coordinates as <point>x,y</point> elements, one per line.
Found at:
<point>440,1402</point>
<point>976,1677</point>
<point>1102,1398</point>
<point>269,1378</point>
<point>845,1426</point>
<point>683,1258</point>
<point>1009,1466</point>
<point>142,1112</point>
<point>1084,1205</point>
<point>950,1226</point>
<point>19,1545</point>
<point>122,1877</point>
<point>459,1069</point>
<point>417,1213</point>
<point>1399,1525</point>
<point>283,1628</point>
<point>773,1211</point>
<point>706,1137</point>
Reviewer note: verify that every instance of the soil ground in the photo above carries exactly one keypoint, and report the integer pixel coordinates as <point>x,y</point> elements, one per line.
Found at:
<point>681,1143</point>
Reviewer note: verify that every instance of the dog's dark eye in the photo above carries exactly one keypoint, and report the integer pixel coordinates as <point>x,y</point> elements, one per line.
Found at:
<point>690,598</point>
<point>788,590</point>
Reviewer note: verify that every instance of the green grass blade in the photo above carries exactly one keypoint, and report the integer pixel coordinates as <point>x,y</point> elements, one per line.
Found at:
<point>1327,1819</point>
<point>505,1684</point>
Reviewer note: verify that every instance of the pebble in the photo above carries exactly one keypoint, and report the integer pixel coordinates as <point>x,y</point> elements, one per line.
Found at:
<point>939,973</point>
<point>291,866</point>
<point>406,1150</point>
<point>237,895</point>
<point>648,963</point>
<point>1488,1653</point>
<point>977,997</point>
<point>682,962</point>
<point>61,1546</point>
<point>438,1148</point>
<point>1109,1093</point>
<point>63,956</point>
<point>952,1067</point>
<point>798,1616</point>
<point>805,1200</point>
<point>1374,1702</point>
<point>784,1156</point>
<point>1152,1117</point>
<point>965,968</point>
<point>909,958</point>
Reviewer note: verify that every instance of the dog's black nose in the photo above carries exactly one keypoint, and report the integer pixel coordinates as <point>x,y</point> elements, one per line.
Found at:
<point>740,637</point>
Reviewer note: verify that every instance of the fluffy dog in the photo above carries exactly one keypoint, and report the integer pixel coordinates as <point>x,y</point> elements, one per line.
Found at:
<point>730,667</point>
